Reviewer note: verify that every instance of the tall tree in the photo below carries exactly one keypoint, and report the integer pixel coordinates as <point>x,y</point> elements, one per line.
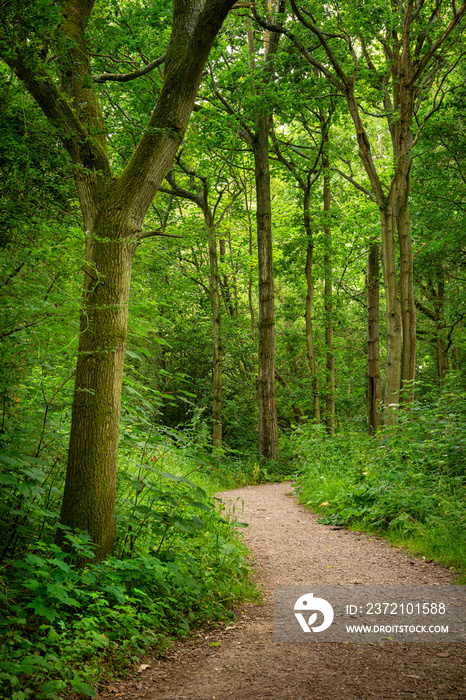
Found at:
<point>113,210</point>
<point>213,210</point>
<point>328,280</point>
<point>411,39</point>
<point>256,135</point>
<point>306,174</point>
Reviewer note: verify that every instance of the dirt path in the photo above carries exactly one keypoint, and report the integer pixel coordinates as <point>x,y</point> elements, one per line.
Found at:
<point>291,548</point>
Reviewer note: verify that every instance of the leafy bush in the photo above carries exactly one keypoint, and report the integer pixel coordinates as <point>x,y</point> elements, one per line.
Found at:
<point>64,628</point>
<point>407,483</point>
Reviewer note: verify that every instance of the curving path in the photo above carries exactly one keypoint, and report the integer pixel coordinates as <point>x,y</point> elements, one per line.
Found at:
<point>291,548</point>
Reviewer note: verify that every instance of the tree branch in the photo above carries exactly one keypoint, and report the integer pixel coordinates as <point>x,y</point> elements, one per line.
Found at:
<point>160,232</point>
<point>126,77</point>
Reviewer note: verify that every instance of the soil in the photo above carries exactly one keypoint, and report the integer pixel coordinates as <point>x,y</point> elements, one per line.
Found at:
<point>241,661</point>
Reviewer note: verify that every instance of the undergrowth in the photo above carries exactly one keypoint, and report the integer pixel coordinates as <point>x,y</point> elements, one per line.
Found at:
<point>178,563</point>
<point>406,484</point>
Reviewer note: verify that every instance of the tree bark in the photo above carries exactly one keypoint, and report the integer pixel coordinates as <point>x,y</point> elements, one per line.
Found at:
<point>217,340</point>
<point>408,309</point>
<point>311,358</point>
<point>258,141</point>
<point>328,297</point>
<point>252,315</point>
<point>268,428</point>
<point>374,390</point>
<point>89,495</point>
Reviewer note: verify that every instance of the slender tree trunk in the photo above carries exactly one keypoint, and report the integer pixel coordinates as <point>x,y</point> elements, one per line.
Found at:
<point>268,430</point>
<point>224,281</point>
<point>443,364</point>
<point>252,66</point>
<point>217,341</point>
<point>387,208</point>
<point>259,143</point>
<point>328,301</point>
<point>250,280</point>
<point>408,309</point>
<point>234,278</point>
<point>311,358</point>
<point>374,391</point>
<point>393,313</point>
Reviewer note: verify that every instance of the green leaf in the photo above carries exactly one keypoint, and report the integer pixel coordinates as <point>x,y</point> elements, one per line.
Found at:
<point>80,687</point>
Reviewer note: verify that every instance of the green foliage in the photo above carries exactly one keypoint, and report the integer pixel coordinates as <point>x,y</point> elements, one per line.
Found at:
<point>177,560</point>
<point>407,483</point>
<point>64,629</point>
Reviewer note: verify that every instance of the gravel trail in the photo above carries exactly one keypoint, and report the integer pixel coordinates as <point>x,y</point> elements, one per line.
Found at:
<point>291,548</point>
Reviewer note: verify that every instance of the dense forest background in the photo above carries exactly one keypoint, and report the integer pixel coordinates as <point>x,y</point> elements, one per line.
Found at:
<point>295,307</point>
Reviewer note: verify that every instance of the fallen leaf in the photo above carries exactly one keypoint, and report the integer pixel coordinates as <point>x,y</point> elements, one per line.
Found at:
<point>143,667</point>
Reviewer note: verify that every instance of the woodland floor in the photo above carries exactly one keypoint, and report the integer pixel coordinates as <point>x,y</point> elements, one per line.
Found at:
<point>291,548</point>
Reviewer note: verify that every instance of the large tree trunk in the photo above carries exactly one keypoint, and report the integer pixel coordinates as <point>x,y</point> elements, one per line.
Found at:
<point>374,391</point>
<point>311,358</point>
<point>89,495</point>
<point>268,429</point>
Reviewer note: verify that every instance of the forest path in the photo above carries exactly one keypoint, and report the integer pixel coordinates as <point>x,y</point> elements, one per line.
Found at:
<point>291,548</point>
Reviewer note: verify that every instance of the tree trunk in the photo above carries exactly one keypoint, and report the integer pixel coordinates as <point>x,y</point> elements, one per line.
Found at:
<point>393,313</point>
<point>268,430</point>
<point>328,302</point>
<point>374,391</point>
<point>89,495</point>
<point>224,281</point>
<point>387,208</point>
<point>311,358</point>
<point>217,341</point>
<point>252,315</point>
<point>408,309</point>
